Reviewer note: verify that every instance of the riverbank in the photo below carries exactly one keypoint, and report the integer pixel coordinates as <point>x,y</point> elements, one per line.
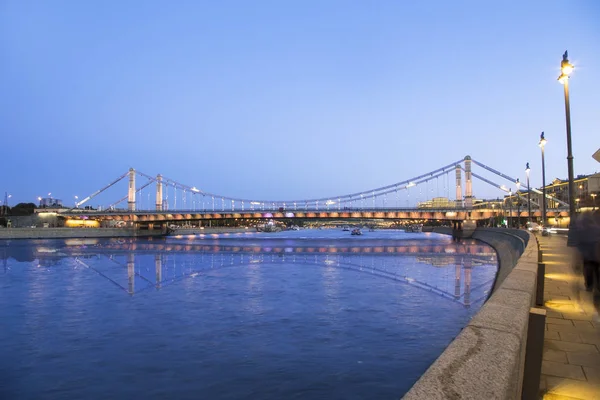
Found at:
<point>487,359</point>
<point>68,233</point>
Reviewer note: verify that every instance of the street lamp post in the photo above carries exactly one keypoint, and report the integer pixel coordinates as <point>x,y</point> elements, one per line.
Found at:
<point>542,144</point>
<point>593,195</point>
<point>510,208</point>
<point>527,169</point>
<point>565,70</point>
<point>518,184</point>
<point>4,208</point>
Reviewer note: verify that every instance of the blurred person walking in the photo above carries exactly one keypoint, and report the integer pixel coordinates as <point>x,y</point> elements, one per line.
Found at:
<point>586,237</point>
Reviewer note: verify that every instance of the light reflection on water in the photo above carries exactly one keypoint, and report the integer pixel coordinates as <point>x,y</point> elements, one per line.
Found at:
<point>236,317</point>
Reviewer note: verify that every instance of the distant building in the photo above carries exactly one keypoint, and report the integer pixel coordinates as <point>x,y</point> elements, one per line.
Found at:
<point>587,188</point>
<point>50,202</point>
<point>437,202</point>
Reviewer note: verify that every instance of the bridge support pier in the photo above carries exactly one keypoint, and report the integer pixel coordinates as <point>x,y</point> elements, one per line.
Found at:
<point>457,230</point>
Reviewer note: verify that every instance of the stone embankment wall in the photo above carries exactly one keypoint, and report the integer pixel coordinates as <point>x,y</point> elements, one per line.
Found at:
<point>63,233</point>
<point>485,361</point>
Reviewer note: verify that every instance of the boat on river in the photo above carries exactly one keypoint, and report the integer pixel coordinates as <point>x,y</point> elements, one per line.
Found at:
<point>356,232</point>
<point>414,228</point>
<point>268,227</point>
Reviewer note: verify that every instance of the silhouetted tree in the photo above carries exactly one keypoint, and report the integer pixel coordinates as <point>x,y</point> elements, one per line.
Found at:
<point>22,209</point>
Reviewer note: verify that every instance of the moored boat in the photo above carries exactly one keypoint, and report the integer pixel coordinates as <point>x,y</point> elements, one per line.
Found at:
<point>414,228</point>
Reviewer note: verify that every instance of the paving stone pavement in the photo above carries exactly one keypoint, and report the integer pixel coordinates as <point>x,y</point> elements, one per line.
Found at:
<point>571,360</point>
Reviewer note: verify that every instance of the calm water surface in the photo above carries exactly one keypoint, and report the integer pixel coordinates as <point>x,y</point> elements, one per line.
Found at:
<point>310,314</point>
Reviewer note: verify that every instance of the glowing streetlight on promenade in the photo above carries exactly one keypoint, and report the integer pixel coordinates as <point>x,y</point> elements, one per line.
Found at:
<point>542,144</point>
<point>593,201</point>
<point>566,69</point>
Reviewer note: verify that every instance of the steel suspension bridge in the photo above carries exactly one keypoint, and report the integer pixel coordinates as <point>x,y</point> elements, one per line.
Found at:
<point>386,197</point>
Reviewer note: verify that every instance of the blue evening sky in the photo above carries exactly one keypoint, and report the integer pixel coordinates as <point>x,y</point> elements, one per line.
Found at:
<point>289,99</point>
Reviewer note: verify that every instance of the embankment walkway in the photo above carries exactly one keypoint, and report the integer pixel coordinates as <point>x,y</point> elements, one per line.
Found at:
<point>571,360</point>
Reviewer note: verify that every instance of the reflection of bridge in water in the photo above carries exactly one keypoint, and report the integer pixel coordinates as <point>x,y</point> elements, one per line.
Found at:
<point>148,265</point>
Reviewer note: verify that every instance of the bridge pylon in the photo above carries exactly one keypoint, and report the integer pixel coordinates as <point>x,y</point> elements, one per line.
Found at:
<point>131,192</point>
<point>468,184</point>
<point>459,196</point>
<point>159,193</point>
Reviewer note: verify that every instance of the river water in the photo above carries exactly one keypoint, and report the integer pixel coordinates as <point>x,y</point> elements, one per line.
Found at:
<point>309,314</point>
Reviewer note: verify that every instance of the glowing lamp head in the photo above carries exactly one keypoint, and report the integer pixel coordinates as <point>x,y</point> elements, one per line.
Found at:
<point>543,141</point>
<point>566,68</point>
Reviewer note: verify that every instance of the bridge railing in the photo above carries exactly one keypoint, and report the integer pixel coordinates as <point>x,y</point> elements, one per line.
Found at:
<point>494,211</point>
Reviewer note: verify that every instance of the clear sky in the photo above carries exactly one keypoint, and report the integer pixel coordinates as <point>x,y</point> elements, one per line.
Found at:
<point>289,99</point>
